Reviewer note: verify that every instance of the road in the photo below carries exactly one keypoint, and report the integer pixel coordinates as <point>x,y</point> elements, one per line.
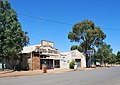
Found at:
<point>100,76</point>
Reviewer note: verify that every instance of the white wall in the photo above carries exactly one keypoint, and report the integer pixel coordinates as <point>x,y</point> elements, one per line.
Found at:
<point>67,57</point>
<point>83,61</point>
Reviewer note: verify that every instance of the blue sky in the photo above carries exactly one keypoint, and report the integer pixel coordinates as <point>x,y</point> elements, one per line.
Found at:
<point>104,13</point>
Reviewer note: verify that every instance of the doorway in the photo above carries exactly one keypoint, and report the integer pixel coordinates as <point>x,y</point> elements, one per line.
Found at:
<point>47,62</point>
<point>78,61</point>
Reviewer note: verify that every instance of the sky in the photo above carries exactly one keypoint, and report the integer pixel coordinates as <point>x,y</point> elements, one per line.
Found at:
<point>34,16</point>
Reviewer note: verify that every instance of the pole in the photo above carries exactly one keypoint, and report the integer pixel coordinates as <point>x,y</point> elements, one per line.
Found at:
<point>31,61</point>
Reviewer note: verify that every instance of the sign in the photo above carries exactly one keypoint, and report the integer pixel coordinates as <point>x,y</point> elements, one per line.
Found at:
<point>91,52</point>
<point>47,43</point>
<point>42,50</point>
<point>64,60</point>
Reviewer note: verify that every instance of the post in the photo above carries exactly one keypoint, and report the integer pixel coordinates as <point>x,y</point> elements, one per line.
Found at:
<point>90,60</point>
<point>31,61</point>
<point>53,64</point>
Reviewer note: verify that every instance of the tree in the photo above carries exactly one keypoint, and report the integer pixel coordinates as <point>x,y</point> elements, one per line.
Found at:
<point>74,47</point>
<point>104,53</point>
<point>12,37</point>
<point>118,57</point>
<point>112,59</point>
<point>87,34</point>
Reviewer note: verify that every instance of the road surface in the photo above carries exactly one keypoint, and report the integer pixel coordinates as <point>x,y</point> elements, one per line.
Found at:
<point>100,76</point>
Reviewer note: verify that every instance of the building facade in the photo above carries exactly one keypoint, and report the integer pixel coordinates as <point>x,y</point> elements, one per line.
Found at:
<point>75,55</point>
<point>32,58</point>
<point>44,53</point>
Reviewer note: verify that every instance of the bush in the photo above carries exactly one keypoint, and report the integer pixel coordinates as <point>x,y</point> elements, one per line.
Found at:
<point>71,65</point>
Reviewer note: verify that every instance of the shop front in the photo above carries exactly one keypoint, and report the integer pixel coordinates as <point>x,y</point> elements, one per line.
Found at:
<point>50,63</point>
<point>47,62</point>
<point>44,53</point>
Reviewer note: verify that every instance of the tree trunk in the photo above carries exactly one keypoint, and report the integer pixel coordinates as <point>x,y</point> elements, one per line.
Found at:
<point>103,61</point>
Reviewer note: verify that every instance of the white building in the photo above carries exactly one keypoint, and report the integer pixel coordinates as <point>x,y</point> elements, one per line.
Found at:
<point>67,57</point>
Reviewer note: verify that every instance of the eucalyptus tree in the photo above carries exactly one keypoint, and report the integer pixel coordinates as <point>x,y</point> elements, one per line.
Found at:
<point>105,53</point>
<point>12,37</point>
<point>87,35</point>
<point>118,57</point>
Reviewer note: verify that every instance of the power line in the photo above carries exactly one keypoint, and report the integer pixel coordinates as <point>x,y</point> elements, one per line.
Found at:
<point>41,18</point>
<point>59,22</point>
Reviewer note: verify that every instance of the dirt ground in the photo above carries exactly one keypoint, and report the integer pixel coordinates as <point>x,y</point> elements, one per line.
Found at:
<point>10,73</point>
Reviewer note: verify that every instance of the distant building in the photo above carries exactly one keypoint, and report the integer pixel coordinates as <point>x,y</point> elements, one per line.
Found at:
<point>67,57</point>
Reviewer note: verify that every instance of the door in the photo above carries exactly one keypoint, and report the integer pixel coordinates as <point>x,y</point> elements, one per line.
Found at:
<point>78,61</point>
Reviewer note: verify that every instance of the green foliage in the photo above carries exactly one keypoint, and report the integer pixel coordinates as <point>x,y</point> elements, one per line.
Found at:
<point>87,34</point>
<point>79,48</point>
<point>118,57</point>
<point>112,59</point>
<point>12,37</point>
<point>71,64</point>
<point>104,53</point>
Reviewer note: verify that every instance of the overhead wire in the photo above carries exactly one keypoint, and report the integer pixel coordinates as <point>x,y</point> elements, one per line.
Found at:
<point>55,21</point>
<point>41,18</point>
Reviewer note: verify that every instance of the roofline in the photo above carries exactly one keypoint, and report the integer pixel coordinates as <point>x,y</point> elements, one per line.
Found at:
<point>47,41</point>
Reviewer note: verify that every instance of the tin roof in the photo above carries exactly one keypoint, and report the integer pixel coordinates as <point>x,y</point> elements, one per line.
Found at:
<point>29,49</point>
<point>76,52</point>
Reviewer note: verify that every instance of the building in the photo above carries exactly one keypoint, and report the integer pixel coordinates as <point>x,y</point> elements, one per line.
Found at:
<point>32,58</point>
<point>44,53</point>
<point>67,57</point>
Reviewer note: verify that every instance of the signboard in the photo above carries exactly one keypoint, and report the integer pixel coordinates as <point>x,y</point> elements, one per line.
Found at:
<point>42,50</point>
<point>91,52</point>
<point>47,43</point>
<point>64,60</point>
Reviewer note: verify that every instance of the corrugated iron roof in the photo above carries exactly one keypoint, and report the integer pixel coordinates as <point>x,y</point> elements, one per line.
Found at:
<point>29,49</point>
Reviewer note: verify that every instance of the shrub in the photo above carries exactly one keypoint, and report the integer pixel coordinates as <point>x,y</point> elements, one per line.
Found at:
<point>71,65</point>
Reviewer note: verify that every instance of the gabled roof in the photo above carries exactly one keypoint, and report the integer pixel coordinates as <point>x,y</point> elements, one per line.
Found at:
<point>73,51</point>
<point>29,49</point>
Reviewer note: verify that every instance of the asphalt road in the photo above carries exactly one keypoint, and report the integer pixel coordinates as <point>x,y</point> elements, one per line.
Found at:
<point>100,76</point>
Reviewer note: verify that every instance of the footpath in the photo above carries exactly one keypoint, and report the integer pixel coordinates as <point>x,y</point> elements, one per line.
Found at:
<point>10,73</point>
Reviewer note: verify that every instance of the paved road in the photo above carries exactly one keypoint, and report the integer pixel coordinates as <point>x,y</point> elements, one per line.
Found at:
<point>100,76</point>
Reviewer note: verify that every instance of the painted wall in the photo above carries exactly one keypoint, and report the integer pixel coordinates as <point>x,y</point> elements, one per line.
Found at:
<point>67,57</point>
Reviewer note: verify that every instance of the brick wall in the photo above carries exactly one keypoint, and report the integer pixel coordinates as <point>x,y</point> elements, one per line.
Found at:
<point>35,63</point>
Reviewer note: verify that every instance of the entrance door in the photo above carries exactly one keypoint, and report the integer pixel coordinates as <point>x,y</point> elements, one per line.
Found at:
<point>78,61</point>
